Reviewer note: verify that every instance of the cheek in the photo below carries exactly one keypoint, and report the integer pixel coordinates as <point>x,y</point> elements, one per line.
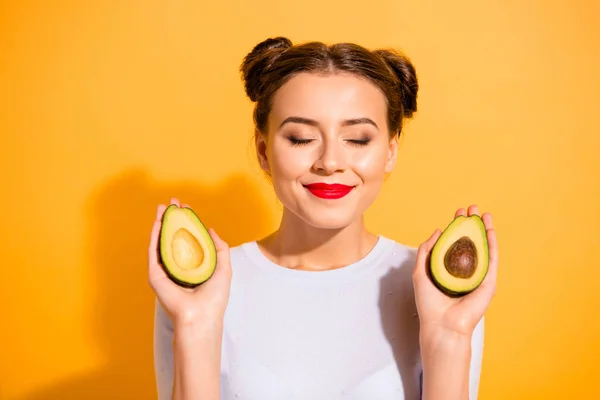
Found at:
<point>289,162</point>
<point>370,165</point>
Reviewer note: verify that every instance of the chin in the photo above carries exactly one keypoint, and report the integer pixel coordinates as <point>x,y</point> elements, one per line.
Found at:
<point>327,218</point>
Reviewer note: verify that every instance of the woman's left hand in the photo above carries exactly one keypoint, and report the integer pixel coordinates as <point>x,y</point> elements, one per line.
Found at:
<point>441,315</point>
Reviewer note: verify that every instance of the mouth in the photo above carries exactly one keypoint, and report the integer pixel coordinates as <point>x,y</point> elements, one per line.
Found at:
<point>329,191</point>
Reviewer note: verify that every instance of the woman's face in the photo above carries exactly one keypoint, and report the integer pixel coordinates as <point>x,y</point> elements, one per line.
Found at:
<point>326,130</point>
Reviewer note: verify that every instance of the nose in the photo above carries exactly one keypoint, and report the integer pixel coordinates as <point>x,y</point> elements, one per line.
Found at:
<point>332,157</point>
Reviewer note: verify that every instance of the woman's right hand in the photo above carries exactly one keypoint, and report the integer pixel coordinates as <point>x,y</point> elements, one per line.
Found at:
<point>203,305</point>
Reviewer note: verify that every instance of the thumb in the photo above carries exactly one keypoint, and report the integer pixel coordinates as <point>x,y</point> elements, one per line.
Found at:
<point>423,254</point>
<point>222,248</point>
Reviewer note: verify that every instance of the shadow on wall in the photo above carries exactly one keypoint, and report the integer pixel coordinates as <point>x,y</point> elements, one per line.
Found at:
<point>121,310</point>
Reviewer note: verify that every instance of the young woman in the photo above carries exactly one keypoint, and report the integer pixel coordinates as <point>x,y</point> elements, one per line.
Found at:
<point>321,309</point>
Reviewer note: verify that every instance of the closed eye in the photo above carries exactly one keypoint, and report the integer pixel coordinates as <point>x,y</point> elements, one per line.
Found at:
<point>299,142</point>
<point>360,142</point>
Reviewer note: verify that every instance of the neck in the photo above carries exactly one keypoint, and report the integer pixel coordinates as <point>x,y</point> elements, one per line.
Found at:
<point>298,245</point>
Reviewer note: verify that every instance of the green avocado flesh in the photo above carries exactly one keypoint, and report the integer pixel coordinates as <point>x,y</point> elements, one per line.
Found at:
<point>459,258</point>
<point>187,252</point>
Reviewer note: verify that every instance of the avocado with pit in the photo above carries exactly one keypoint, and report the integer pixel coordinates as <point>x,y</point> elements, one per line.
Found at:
<point>187,252</point>
<point>460,257</point>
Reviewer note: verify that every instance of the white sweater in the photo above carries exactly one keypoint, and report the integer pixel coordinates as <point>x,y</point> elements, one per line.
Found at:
<point>350,333</point>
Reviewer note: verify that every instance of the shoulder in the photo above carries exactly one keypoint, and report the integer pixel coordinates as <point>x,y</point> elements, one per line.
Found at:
<point>398,255</point>
<point>404,251</point>
<point>237,252</point>
<point>395,266</point>
<point>242,253</point>
<point>245,259</point>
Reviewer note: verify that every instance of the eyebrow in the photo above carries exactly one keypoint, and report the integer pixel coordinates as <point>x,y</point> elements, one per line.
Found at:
<point>312,122</point>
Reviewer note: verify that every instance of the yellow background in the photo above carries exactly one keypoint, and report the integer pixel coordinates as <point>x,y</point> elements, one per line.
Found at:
<point>108,108</point>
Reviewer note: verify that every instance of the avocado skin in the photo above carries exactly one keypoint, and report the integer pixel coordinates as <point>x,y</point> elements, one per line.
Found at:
<point>177,281</point>
<point>448,292</point>
<point>162,242</point>
<point>483,262</point>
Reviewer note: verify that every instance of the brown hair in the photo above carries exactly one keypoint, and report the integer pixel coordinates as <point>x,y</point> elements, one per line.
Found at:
<point>275,60</point>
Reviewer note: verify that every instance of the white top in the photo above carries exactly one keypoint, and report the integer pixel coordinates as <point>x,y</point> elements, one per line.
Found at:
<point>351,333</point>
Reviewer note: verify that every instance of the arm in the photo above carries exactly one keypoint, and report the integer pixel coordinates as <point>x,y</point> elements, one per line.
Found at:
<point>452,365</point>
<point>451,328</point>
<point>187,360</point>
<point>163,353</point>
<point>188,325</point>
<point>197,356</point>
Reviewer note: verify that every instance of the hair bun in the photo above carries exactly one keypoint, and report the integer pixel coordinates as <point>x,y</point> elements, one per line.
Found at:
<point>279,42</point>
<point>406,73</point>
<point>258,61</point>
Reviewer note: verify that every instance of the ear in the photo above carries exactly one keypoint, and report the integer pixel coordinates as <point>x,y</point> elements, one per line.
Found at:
<point>261,152</point>
<point>392,154</point>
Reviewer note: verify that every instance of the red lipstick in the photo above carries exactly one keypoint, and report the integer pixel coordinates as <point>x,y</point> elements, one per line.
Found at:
<point>327,191</point>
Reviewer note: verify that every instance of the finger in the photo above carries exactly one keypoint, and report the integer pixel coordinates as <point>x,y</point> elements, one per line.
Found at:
<point>160,211</point>
<point>481,297</point>
<point>492,241</point>
<point>423,254</point>
<point>459,212</point>
<point>473,210</point>
<point>175,201</point>
<point>489,283</point>
<point>487,220</point>
<point>185,206</point>
<point>493,252</point>
<point>154,269</point>
<point>223,262</point>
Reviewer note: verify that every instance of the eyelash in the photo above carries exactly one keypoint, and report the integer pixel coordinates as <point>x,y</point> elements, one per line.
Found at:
<point>360,142</point>
<point>300,142</point>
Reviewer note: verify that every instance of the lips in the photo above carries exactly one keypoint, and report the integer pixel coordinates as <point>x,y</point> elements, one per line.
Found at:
<point>329,191</point>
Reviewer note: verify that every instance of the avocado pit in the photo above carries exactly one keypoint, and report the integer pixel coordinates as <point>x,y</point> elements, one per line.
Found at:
<point>187,252</point>
<point>461,258</point>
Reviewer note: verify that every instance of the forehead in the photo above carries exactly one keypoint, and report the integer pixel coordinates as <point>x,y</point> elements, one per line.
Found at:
<point>328,99</point>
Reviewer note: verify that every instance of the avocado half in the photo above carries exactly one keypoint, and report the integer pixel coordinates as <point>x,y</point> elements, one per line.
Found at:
<point>187,252</point>
<point>459,259</point>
